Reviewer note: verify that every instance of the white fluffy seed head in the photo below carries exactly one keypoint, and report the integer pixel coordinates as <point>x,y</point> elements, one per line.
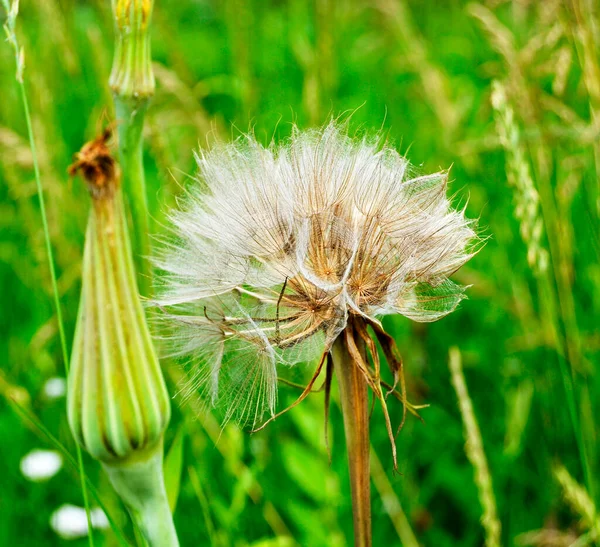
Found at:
<point>275,247</point>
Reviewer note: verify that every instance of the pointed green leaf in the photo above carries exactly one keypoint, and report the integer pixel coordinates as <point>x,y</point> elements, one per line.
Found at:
<point>172,468</point>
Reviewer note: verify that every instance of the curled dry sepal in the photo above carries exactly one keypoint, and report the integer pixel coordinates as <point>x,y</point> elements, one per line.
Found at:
<point>278,252</point>
<point>97,167</point>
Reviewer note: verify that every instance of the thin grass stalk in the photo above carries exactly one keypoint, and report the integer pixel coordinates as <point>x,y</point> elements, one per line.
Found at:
<point>434,81</point>
<point>237,468</point>
<point>570,363</point>
<point>239,16</point>
<point>586,46</point>
<point>12,11</point>
<point>204,505</point>
<point>391,503</point>
<point>354,401</point>
<point>570,359</point>
<point>475,454</point>
<point>579,500</point>
<point>39,428</point>
<point>539,215</point>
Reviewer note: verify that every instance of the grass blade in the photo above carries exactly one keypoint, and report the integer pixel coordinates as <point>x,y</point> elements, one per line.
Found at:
<point>12,11</point>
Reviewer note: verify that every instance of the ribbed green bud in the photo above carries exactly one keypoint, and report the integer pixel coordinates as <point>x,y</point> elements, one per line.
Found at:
<point>131,74</point>
<point>118,404</point>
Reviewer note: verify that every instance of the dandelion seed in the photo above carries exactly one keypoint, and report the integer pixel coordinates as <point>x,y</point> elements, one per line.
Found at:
<point>282,253</point>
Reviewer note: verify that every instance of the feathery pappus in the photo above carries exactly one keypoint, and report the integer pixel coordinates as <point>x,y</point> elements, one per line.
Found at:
<point>278,251</point>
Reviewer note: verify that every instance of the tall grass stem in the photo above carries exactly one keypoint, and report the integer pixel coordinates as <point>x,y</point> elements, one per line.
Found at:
<point>12,11</point>
<point>57,305</point>
<point>475,453</point>
<point>391,503</point>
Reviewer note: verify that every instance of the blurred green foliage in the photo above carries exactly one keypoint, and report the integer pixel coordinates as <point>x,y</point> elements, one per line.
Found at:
<point>423,73</point>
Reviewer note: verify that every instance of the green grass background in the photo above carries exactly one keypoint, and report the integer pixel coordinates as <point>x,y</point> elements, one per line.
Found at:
<point>423,73</point>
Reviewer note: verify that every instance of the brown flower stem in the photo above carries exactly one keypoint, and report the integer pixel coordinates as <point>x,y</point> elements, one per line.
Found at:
<point>354,399</point>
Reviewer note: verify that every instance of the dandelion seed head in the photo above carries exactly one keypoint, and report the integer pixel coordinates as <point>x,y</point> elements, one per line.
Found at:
<point>277,246</point>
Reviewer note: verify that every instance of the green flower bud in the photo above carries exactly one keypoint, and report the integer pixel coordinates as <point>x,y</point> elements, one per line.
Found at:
<point>118,404</point>
<point>132,74</point>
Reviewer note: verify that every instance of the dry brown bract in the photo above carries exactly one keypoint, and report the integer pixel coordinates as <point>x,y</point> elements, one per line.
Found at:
<point>97,166</point>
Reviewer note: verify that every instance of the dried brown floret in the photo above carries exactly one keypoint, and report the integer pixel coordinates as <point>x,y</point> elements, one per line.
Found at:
<point>97,166</point>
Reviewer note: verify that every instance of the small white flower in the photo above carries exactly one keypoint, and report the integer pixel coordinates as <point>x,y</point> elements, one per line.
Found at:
<point>55,388</point>
<point>70,521</point>
<point>41,465</point>
<point>276,248</point>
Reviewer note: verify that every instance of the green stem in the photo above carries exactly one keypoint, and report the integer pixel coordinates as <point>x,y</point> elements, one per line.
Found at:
<point>130,117</point>
<point>132,82</point>
<point>140,484</point>
<point>57,306</point>
<point>354,399</point>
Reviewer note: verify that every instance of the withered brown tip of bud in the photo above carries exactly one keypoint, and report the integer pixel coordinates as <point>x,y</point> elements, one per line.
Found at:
<point>97,166</point>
